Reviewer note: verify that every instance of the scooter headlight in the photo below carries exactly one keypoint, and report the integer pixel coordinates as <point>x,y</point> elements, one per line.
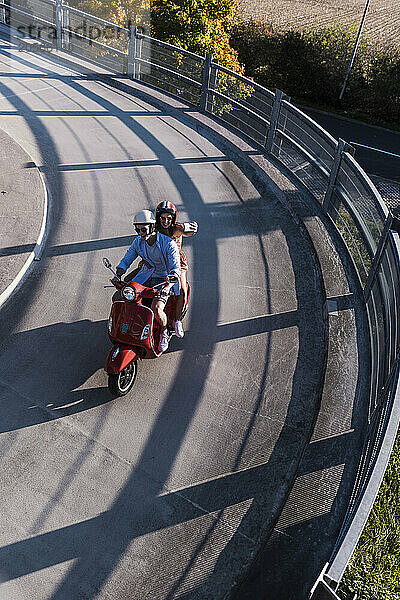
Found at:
<point>129,293</point>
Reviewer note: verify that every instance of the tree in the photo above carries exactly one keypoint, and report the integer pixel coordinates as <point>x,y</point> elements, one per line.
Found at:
<point>199,26</point>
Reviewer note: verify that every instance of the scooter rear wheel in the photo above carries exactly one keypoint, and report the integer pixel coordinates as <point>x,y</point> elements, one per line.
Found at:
<point>122,383</point>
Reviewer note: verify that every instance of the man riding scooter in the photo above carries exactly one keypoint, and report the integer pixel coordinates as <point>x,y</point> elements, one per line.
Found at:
<point>161,260</point>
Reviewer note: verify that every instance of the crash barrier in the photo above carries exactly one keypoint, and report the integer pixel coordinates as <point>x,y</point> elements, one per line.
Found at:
<point>325,167</point>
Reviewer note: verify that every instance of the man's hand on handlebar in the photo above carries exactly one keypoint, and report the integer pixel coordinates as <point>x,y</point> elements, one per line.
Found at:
<point>119,272</point>
<point>171,279</point>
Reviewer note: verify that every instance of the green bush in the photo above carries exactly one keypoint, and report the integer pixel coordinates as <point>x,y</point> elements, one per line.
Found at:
<point>307,64</point>
<point>310,65</point>
<point>383,77</point>
<point>252,40</point>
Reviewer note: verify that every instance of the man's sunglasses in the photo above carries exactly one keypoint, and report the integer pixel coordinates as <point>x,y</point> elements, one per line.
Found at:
<point>139,229</point>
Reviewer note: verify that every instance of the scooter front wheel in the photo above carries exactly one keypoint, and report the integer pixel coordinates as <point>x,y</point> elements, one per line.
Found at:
<point>122,383</point>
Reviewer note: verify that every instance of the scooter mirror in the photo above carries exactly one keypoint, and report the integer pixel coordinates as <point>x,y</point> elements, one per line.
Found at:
<point>106,263</point>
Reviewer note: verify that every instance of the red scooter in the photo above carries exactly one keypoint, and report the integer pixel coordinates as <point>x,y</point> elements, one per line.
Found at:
<point>133,331</point>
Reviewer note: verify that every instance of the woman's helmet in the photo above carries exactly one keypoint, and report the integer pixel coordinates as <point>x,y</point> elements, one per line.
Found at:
<point>166,207</point>
<point>145,217</point>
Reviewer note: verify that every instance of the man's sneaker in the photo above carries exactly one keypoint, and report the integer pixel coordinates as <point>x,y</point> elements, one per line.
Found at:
<point>179,329</point>
<point>164,341</point>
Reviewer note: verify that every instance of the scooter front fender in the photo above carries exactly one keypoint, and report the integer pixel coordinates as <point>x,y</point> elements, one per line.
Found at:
<point>118,358</point>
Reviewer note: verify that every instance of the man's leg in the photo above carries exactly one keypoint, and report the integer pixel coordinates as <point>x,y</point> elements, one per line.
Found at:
<point>180,303</point>
<point>157,307</point>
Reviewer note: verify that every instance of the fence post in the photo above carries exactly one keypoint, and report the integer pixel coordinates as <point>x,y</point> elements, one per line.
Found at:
<point>139,49</point>
<point>328,204</point>
<point>213,81</point>
<point>376,262</point>
<point>2,15</point>
<point>321,590</point>
<point>206,82</point>
<point>132,51</point>
<point>59,23</point>
<point>273,123</point>
<point>66,33</point>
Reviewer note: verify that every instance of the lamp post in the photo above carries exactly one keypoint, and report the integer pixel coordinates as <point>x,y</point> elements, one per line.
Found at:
<point>355,49</point>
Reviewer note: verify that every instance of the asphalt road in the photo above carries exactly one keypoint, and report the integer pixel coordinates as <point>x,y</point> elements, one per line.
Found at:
<point>383,160</point>
<point>167,492</point>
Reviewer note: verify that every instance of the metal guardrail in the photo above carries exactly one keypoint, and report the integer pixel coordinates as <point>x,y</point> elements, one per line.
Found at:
<point>323,165</point>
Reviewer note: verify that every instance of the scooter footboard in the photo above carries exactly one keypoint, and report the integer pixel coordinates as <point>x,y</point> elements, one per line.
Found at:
<point>118,358</point>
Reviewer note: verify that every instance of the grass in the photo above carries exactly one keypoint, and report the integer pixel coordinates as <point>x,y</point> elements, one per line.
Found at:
<point>374,570</point>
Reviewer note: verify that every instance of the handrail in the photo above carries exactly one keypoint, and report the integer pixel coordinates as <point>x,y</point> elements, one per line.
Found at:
<point>245,80</point>
<point>22,12</point>
<point>170,72</point>
<point>311,123</point>
<point>107,24</point>
<point>104,47</point>
<point>142,36</point>
<point>369,186</point>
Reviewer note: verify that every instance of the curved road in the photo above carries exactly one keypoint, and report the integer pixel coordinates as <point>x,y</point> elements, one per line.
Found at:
<point>167,492</point>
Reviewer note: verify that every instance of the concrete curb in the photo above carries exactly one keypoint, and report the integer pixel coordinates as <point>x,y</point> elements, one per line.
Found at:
<point>37,251</point>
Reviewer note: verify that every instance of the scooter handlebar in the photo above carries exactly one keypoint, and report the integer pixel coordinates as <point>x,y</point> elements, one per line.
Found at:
<point>118,283</point>
<point>172,279</point>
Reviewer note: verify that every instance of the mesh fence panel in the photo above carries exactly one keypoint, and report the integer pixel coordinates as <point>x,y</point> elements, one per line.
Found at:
<point>240,104</point>
<point>362,199</point>
<point>33,18</point>
<point>169,69</point>
<point>376,428</point>
<point>375,348</point>
<point>94,30</point>
<point>353,238</point>
<point>389,285</point>
<point>383,315</point>
<point>305,169</point>
<point>377,309</point>
<point>97,41</point>
<point>172,59</point>
<point>107,58</point>
<point>313,139</point>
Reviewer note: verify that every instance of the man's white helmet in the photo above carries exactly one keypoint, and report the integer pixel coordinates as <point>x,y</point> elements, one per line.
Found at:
<point>144,217</point>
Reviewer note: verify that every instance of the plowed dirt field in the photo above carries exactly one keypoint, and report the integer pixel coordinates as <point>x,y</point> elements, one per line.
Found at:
<point>382,23</point>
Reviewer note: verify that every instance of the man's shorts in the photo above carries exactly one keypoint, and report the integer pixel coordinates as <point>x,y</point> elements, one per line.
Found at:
<point>160,295</point>
<point>152,281</point>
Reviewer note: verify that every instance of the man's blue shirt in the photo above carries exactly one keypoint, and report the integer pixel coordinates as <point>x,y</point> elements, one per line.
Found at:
<point>168,250</point>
